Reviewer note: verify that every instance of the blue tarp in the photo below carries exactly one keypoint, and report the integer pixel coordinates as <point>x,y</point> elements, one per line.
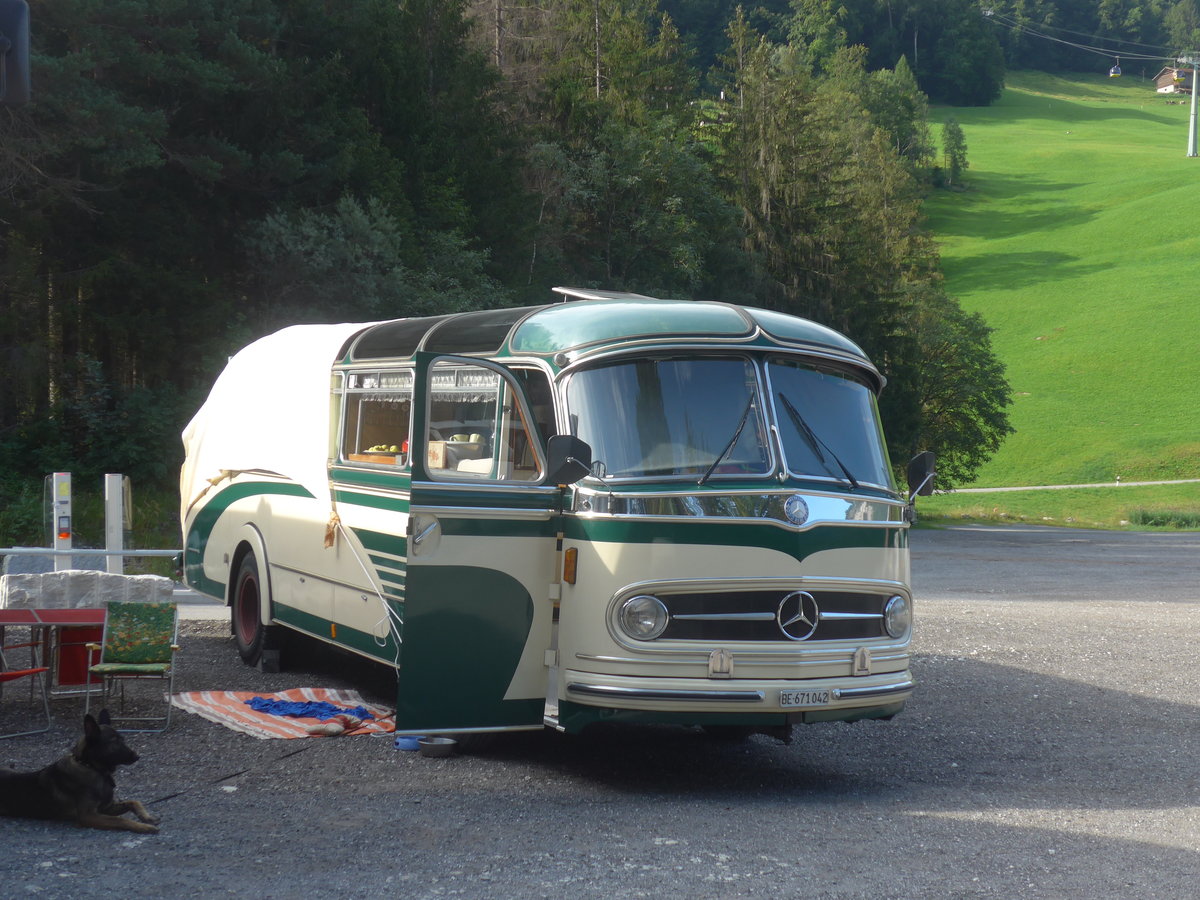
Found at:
<point>311,709</point>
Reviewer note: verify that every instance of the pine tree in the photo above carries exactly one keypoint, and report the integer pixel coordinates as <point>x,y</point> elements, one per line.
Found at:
<point>954,151</point>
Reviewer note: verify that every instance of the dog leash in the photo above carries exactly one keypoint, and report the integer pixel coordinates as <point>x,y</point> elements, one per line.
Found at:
<point>228,777</point>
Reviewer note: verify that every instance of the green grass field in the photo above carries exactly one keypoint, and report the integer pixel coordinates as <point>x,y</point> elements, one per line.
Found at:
<point>1074,240</point>
<point>1150,508</point>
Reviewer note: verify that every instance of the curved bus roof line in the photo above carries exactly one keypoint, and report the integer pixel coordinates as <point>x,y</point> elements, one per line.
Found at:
<point>590,321</point>
<point>845,361</point>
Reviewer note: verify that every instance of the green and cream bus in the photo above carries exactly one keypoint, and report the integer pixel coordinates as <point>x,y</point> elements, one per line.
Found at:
<point>610,508</point>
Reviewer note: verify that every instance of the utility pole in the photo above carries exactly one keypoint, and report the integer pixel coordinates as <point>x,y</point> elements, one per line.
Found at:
<point>1194,61</point>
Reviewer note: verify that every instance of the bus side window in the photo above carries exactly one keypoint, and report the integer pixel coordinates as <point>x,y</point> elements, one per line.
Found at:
<point>477,427</point>
<point>378,416</point>
<point>541,397</point>
<point>540,394</point>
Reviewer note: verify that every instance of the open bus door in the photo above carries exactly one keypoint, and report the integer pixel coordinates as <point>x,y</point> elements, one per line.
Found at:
<point>481,582</point>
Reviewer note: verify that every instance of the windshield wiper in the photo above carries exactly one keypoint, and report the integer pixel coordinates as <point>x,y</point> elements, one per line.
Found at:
<point>733,440</point>
<point>815,443</point>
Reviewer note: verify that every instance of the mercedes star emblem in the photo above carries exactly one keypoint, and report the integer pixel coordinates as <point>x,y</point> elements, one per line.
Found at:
<point>795,509</point>
<point>798,616</point>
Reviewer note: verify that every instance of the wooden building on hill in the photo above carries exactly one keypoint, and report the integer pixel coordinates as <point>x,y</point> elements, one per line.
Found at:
<point>1173,81</point>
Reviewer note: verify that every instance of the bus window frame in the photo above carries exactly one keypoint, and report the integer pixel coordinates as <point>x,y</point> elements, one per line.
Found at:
<point>504,423</point>
<point>353,396</point>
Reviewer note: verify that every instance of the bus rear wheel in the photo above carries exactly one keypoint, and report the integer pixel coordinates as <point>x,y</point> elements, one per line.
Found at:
<point>246,617</point>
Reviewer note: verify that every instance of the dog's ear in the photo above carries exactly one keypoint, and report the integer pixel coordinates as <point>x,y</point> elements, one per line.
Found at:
<point>104,719</point>
<point>91,729</point>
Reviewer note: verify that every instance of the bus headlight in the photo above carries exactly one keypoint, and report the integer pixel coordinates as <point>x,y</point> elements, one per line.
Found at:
<point>897,617</point>
<point>643,617</point>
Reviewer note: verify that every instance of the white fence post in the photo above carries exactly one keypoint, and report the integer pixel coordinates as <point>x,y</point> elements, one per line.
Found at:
<point>114,523</point>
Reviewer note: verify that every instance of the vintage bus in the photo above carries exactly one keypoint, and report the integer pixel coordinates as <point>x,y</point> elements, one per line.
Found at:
<point>609,508</point>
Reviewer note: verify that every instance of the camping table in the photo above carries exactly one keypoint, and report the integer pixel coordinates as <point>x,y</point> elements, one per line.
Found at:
<point>54,625</point>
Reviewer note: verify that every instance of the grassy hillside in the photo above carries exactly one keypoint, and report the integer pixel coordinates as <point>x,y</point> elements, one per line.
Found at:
<point>1078,240</point>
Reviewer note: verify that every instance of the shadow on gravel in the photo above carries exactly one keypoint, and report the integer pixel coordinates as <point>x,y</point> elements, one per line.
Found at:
<point>974,730</point>
<point>976,733</point>
<point>922,806</point>
<point>1020,737</point>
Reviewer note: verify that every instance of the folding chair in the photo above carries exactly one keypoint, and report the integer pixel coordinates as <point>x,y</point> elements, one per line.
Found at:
<point>37,684</point>
<point>140,642</point>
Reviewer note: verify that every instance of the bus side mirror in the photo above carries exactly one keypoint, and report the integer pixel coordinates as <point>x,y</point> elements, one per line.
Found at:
<point>14,52</point>
<point>920,474</point>
<point>570,459</point>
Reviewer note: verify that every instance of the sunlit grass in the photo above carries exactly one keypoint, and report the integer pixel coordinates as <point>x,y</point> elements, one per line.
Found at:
<point>1073,241</point>
<point>1152,507</point>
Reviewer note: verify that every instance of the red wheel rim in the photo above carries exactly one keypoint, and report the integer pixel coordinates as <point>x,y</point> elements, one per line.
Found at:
<point>247,609</point>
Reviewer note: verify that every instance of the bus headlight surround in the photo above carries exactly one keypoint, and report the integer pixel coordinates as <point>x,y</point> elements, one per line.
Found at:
<point>643,617</point>
<point>897,617</point>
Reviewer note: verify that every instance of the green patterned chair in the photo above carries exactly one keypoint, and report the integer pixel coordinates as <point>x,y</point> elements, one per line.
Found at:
<point>140,642</point>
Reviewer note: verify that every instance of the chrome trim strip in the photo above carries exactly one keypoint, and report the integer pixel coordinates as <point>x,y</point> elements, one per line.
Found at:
<point>690,491</point>
<point>768,523</point>
<point>836,583</point>
<point>760,657</point>
<point>880,691</point>
<point>843,654</point>
<point>786,583</point>
<point>370,490</point>
<point>689,656</point>
<point>664,587</point>
<point>523,487</point>
<point>626,693</point>
<point>627,481</point>
<point>840,615</point>
<point>727,617</point>
<point>701,659</point>
<point>484,512</point>
<point>763,507</point>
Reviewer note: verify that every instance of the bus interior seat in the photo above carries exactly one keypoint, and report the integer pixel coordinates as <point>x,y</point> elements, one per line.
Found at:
<point>478,466</point>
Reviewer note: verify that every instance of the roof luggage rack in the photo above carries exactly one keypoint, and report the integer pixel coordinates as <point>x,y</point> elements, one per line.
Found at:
<point>570,293</point>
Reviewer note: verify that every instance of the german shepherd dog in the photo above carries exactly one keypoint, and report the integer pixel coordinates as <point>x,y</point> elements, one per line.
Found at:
<point>79,787</point>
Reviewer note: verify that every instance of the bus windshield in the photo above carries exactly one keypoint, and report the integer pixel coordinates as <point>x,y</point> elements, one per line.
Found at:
<point>829,424</point>
<point>671,418</point>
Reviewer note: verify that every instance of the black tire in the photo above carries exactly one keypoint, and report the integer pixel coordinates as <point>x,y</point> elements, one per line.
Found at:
<point>246,617</point>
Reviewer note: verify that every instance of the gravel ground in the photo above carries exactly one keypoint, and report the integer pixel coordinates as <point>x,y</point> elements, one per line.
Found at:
<point>1050,752</point>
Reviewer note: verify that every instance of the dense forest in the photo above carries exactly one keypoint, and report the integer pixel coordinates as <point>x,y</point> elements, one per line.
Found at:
<point>192,174</point>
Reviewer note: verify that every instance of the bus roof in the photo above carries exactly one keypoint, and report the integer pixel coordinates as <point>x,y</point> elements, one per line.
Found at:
<point>597,320</point>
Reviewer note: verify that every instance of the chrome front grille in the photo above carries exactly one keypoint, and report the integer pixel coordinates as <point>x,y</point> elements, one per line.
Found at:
<point>755,616</point>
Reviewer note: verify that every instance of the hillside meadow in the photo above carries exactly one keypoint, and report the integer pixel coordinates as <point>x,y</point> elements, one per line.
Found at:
<point>1074,238</point>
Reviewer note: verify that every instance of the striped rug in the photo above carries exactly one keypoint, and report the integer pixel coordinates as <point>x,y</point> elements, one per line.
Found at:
<point>229,709</point>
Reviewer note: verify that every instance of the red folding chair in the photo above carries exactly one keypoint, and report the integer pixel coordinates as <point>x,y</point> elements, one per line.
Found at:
<point>37,686</point>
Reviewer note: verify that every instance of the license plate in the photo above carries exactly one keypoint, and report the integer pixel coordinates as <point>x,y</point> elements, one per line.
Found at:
<point>803,698</point>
